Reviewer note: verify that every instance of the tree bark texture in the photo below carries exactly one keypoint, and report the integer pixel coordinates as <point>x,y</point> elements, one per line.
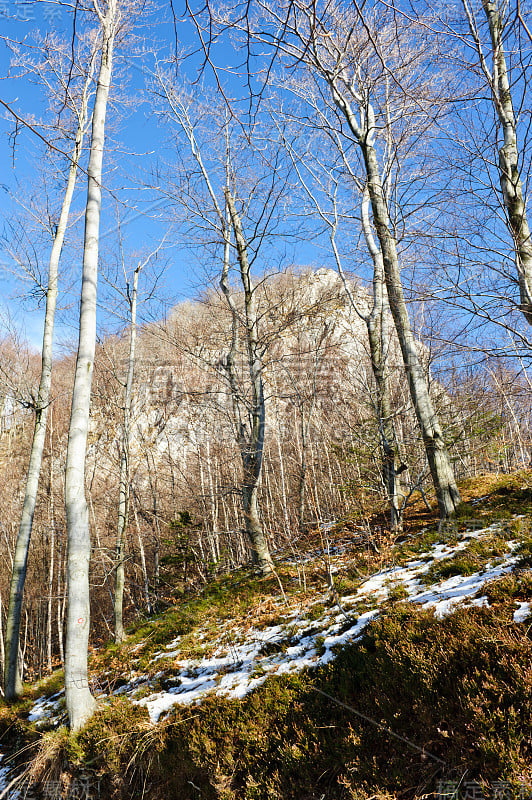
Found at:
<point>12,680</point>
<point>79,700</point>
<point>509,173</point>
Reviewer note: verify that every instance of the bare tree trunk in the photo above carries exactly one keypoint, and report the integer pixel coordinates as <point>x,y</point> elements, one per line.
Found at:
<point>441,469</point>
<point>79,700</point>
<point>384,417</point>
<point>12,684</point>
<point>509,171</point>
<point>284,499</point>
<point>251,438</point>
<point>213,502</point>
<point>52,554</point>
<point>60,609</point>
<point>22,649</point>
<point>379,340</point>
<point>2,646</point>
<point>123,492</point>
<point>146,583</point>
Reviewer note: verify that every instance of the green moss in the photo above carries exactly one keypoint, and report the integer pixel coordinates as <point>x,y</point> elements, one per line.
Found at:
<point>524,551</point>
<point>508,589</point>
<point>347,584</point>
<point>473,558</point>
<point>316,611</point>
<point>423,542</point>
<point>319,644</point>
<point>362,726</point>
<point>50,685</point>
<point>396,593</point>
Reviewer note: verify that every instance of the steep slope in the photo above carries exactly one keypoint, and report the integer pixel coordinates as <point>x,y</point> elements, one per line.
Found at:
<point>386,673</point>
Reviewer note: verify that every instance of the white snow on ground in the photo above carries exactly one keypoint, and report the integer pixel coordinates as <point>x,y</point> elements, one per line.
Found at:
<point>241,659</point>
<point>6,775</point>
<point>44,707</point>
<point>522,612</point>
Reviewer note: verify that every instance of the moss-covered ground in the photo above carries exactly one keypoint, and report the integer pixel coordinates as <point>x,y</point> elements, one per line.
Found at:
<point>418,706</point>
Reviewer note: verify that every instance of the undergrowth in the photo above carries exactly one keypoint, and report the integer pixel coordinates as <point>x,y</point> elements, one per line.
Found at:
<point>417,701</point>
<point>473,558</point>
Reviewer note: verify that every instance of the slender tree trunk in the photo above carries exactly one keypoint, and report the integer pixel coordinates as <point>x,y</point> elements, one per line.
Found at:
<point>50,599</point>
<point>250,437</point>
<point>12,684</point>
<point>52,549</point>
<point>146,583</point>
<point>284,499</point>
<point>441,469</point>
<point>2,646</point>
<point>22,649</point>
<point>60,607</point>
<point>213,502</point>
<point>378,338</point>
<point>303,467</point>
<point>79,700</point>
<point>123,491</point>
<point>384,417</point>
<point>512,188</point>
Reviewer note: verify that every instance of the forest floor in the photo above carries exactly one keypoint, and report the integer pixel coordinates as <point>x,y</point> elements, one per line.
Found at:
<point>385,666</point>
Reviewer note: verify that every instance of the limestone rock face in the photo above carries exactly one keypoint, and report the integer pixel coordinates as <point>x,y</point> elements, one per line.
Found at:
<point>315,353</point>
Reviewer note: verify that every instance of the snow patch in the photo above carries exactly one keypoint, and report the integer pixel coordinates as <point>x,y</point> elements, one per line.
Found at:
<point>522,612</point>
<point>243,657</point>
<point>6,776</point>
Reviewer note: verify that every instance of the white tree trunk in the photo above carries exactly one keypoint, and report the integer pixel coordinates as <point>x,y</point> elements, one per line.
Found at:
<point>12,683</point>
<point>512,188</point>
<point>79,700</point>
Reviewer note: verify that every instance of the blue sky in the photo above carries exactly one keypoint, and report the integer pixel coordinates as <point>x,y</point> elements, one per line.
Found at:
<point>134,140</point>
<point>136,143</point>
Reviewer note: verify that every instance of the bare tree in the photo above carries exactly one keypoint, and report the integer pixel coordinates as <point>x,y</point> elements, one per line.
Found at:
<point>123,487</point>
<point>77,101</point>
<point>131,296</point>
<point>364,61</point>
<point>80,702</point>
<point>322,185</point>
<point>250,432</point>
<point>230,185</point>
<point>505,22</point>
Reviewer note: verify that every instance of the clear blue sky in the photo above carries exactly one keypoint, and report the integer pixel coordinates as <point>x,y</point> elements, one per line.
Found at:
<point>134,138</point>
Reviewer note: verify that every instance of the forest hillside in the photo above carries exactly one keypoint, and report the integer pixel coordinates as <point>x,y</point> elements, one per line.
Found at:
<point>322,455</point>
<point>370,665</point>
<point>266,446</point>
